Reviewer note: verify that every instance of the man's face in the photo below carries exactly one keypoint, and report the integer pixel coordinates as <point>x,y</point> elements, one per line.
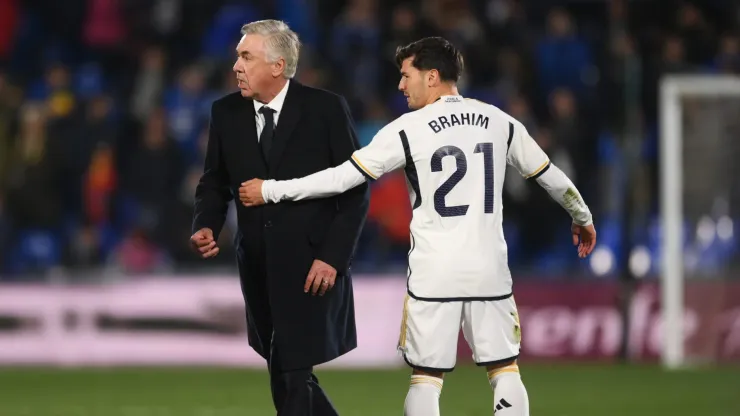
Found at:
<point>253,72</point>
<point>413,84</point>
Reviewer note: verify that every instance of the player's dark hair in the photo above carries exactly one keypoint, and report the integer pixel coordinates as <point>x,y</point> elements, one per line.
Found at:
<point>433,53</point>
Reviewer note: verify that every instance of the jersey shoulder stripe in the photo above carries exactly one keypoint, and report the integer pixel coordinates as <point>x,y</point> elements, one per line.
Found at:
<point>539,171</point>
<point>411,174</point>
<point>360,167</point>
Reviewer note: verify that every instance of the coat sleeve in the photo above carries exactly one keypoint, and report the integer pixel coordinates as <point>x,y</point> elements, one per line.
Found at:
<point>341,239</point>
<point>212,194</point>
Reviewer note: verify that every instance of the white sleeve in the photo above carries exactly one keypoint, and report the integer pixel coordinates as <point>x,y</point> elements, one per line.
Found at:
<point>326,183</point>
<point>532,163</point>
<point>383,154</point>
<point>562,190</point>
<point>524,153</point>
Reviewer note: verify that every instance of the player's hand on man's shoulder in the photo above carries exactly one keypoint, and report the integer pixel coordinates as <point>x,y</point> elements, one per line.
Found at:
<point>250,193</point>
<point>584,236</point>
<point>203,243</point>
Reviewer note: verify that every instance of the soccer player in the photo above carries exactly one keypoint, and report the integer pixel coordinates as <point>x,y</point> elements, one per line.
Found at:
<point>454,152</point>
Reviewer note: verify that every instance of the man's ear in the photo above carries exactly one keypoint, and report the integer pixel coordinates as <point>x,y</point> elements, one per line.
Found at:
<point>278,67</point>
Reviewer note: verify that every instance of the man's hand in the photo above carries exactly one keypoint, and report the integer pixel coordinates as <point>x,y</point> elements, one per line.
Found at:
<point>321,278</point>
<point>250,193</point>
<point>585,238</point>
<point>202,242</point>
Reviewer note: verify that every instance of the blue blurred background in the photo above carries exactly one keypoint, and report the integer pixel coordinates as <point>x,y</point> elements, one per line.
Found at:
<point>104,108</point>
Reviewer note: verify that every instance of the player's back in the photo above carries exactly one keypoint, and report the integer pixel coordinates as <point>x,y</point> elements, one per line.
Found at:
<point>459,151</point>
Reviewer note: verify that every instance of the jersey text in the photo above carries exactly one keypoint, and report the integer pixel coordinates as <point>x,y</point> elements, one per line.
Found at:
<point>469,119</point>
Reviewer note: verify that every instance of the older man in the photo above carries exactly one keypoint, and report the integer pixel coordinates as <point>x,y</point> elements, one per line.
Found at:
<point>294,259</point>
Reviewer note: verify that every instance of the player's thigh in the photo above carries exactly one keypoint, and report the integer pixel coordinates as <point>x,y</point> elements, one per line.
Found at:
<point>429,334</point>
<point>492,331</point>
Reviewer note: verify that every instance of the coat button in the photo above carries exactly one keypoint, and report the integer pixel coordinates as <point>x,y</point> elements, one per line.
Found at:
<point>268,224</point>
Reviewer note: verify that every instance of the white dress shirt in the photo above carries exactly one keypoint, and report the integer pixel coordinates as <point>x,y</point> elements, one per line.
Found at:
<point>276,104</point>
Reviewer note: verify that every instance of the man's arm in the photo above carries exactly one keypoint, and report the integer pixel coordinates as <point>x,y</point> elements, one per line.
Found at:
<point>352,206</point>
<point>212,194</point>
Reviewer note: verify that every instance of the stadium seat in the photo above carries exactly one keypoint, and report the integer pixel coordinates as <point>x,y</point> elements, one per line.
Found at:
<point>35,250</point>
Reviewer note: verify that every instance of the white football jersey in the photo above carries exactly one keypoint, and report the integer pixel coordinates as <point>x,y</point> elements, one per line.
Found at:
<point>454,152</point>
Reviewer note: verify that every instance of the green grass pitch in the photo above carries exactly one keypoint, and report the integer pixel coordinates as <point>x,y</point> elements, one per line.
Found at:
<point>554,390</point>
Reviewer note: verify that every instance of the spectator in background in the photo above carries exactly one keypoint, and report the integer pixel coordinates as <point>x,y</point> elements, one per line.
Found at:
<point>566,127</point>
<point>152,179</point>
<point>9,16</point>
<point>406,26</point>
<point>508,23</point>
<point>697,36</point>
<point>99,185</point>
<point>355,46</point>
<point>519,108</point>
<point>10,99</point>
<point>149,82</point>
<point>187,104</point>
<point>84,250</point>
<point>512,77</point>
<point>562,57</point>
<point>138,254</point>
<point>671,60</point>
<point>105,34</point>
<point>34,188</point>
<point>727,60</point>
<point>82,140</point>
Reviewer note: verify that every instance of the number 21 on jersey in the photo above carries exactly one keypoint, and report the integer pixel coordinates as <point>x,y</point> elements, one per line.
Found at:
<point>461,161</point>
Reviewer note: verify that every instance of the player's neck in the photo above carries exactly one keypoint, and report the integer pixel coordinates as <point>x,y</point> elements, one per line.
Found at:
<point>441,92</point>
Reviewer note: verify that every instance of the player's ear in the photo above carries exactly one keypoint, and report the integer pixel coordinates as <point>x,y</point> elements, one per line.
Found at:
<point>432,77</point>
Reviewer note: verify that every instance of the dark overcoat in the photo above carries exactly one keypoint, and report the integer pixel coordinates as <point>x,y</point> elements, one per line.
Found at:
<point>276,244</point>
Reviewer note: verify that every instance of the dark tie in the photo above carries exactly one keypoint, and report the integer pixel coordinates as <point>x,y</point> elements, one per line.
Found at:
<point>268,131</point>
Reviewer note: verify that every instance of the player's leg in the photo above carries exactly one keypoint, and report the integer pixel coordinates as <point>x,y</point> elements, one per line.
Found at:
<point>510,397</point>
<point>493,332</point>
<point>428,341</point>
<point>423,395</point>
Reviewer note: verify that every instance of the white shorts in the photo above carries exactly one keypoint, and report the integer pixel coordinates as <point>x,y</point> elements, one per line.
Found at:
<point>430,332</point>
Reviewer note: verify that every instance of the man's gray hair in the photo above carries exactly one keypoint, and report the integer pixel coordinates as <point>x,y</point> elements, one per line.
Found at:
<point>280,42</point>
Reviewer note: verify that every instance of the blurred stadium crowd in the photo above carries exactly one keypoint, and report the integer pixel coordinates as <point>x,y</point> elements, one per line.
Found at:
<point>104,107</point>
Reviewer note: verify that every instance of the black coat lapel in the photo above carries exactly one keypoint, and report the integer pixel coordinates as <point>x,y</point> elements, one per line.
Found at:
<point>286,123</point>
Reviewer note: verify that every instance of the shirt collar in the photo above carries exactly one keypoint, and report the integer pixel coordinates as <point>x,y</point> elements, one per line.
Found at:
<point>450,98</point>
<point>277,102</point>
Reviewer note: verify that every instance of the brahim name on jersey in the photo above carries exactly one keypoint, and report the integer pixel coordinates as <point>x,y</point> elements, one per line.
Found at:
<point>462,119</point>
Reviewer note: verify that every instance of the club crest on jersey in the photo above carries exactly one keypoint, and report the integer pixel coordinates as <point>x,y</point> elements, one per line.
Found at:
<point>461,119</point>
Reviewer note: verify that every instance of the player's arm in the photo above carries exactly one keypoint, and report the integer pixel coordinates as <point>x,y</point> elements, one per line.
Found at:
<point>532,163</point>
<point>323,184</point>
<point>384,154</point>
